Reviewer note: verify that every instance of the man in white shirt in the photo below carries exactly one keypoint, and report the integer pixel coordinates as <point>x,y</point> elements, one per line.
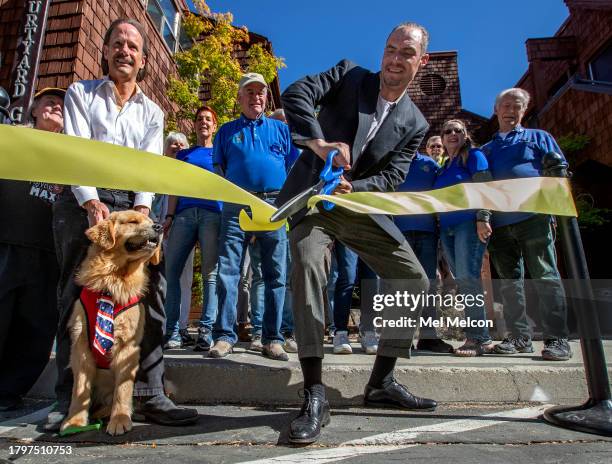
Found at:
<point>113,110</point>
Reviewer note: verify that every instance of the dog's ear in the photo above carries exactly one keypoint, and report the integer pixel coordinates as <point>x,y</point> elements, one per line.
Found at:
<point>156,258</point>
<point>102,234</point>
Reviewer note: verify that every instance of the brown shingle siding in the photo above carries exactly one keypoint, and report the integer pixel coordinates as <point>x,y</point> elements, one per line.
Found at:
<point>585,32</point>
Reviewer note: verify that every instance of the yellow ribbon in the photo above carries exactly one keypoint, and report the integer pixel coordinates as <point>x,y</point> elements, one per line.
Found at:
<point>547,195</point>
<point>28,154</point>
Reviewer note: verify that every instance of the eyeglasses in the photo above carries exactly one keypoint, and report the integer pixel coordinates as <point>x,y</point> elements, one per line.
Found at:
<point>435,146</point>
<point>453,130</point>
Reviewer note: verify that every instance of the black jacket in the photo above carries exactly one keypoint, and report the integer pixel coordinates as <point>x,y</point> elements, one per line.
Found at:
<point>346,97</point>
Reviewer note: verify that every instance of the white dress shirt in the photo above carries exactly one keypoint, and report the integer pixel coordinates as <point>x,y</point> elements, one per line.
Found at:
<point>91,111</point>
<point>383,108</point>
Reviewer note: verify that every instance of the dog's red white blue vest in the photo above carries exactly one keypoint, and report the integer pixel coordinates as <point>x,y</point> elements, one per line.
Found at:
<point>101,311</point>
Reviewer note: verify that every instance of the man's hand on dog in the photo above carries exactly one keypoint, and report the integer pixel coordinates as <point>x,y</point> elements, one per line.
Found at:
<point>142,209</point>
<point>96,211</point>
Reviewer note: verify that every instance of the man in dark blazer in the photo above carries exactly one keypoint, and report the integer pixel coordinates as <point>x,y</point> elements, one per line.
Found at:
<point>369,118</point>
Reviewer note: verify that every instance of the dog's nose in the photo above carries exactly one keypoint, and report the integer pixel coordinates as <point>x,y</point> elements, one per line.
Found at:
<point>157,227</point>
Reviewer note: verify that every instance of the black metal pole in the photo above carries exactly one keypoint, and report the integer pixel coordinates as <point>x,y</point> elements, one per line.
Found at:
<point>594,416</point>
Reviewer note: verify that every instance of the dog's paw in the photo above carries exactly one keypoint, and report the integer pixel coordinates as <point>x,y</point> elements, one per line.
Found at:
<point>119,424</point>
<point>78,420</point>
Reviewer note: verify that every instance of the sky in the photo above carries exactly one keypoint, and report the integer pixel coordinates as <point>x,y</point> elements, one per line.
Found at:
<point>489,35</point>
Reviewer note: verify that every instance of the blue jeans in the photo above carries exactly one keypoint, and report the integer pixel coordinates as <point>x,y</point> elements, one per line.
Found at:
<point>233,242</point>
<point>464,252</point>
<point>287,328</point>
<point>257,293</point>
<point>340,286</point>
<point>366,318</point>
<point>190,226</point>
<point>425,247</point>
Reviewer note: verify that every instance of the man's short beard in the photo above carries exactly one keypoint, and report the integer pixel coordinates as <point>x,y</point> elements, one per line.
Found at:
<point>391,82</point>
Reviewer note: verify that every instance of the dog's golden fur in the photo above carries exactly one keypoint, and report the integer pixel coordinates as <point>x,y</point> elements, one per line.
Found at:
<point>122,246</point>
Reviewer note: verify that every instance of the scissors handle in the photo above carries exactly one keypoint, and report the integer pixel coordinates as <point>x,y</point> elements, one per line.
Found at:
<point>331,175</point>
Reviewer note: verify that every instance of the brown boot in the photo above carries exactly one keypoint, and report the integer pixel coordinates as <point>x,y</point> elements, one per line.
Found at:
<point>275,351</point>
<point>220,350</point>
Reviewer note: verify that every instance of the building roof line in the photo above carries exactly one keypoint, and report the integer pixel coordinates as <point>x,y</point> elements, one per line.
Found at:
<point>582,85</point>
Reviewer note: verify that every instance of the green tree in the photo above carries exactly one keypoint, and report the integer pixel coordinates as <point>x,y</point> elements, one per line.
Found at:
<point>212,61</point>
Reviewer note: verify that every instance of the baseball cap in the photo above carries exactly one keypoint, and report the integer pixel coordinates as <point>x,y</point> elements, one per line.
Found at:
<point>50,91</point>
<point>249,78</point>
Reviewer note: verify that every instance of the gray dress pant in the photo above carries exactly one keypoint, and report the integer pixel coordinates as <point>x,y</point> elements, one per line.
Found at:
<point>395,263</point>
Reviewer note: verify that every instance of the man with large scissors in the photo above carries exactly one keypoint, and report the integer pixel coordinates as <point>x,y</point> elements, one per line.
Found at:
<point>369,119</point>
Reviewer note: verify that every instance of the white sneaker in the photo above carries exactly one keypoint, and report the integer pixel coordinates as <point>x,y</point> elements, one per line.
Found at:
<point>341,343</point>
<point>369,342</point>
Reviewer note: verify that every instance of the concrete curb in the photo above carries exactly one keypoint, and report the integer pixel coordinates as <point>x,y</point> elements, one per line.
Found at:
<point>247,378</point>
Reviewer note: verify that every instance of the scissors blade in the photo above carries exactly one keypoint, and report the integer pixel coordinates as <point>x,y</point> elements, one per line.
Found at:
<point>296,203</point>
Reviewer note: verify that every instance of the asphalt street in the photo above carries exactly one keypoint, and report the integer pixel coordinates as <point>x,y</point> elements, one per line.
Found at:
<point>474,433</point>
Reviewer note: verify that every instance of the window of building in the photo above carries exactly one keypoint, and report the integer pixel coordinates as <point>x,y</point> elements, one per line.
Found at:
<point>600,68</point>
<point>166,18</point>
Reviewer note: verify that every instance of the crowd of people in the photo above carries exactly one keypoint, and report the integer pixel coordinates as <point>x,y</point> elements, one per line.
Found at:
<point>292,283</point>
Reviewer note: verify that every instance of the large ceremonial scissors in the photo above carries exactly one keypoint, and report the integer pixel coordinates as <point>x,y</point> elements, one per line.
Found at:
<point>328,181</point>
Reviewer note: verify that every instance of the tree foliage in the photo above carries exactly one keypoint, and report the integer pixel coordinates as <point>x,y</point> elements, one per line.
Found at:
<point>212,61</point>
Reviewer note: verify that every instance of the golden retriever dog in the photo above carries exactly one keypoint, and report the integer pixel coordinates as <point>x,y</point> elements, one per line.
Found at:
<point>116,268</point>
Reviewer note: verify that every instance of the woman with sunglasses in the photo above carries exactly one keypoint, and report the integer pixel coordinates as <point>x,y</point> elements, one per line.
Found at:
<point>464,234</point>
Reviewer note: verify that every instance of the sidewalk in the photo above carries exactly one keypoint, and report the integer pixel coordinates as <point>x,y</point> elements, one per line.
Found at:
<point>246,377</point>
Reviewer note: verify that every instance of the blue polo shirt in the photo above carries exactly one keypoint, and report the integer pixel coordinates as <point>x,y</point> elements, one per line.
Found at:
<point>201,157</point>
<point>254,154</point>
<point>455,172</point>
<point>421,177</point>
<point>517,155</point>
<point>294,154</point>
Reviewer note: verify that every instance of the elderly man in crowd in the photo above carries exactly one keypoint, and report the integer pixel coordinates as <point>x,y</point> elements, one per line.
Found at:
<point>435,149</point>
<point>253,153</point>
<point>371,121</point>
<point>114,110</point>
<point>522,240</point>
<point>28,268</point>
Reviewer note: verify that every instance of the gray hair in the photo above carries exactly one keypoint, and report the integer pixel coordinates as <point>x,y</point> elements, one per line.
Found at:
<point>175,137</point>
<point>516,92</point>
<point>432,138</point>
<point>410,25</point>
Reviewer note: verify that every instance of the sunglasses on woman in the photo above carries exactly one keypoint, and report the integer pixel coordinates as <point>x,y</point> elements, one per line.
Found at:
<point>453,130</point>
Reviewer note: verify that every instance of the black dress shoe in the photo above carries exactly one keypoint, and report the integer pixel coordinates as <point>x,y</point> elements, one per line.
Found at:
<point>397,396</point>
<point>306,427</point>
<point>161,410</point>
